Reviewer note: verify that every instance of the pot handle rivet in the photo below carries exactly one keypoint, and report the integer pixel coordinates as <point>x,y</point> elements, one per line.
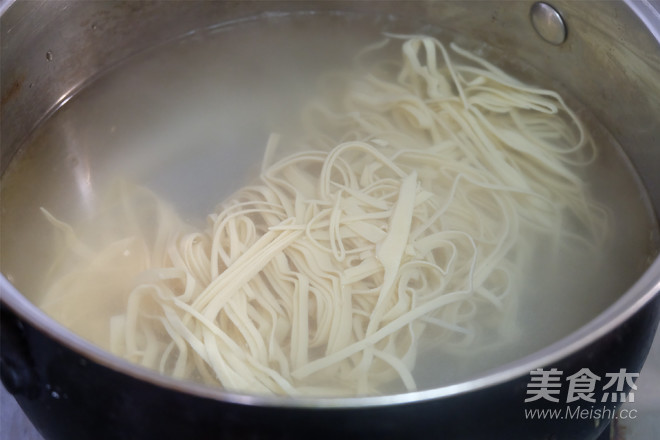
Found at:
<point>16,367</point>
<point>12,379</point>
<point>548,23</point>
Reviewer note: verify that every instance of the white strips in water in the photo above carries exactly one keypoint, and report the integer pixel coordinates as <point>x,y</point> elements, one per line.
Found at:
<point>328,274</point>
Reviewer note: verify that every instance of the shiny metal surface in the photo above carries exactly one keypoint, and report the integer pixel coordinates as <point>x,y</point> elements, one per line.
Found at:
<point>610,61</point>
<point>548,23</point>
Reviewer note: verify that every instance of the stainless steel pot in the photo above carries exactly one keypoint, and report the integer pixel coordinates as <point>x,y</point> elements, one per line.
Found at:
<point>607,54</point>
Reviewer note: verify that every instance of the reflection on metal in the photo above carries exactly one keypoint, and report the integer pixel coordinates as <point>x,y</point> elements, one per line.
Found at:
<point>548,23</point>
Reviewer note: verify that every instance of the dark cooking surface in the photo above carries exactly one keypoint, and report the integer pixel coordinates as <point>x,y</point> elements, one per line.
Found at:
<point>15,426</point>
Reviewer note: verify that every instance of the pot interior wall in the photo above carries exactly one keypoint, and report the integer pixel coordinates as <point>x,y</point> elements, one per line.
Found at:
<point>75,44</point>
<point>610,60</point>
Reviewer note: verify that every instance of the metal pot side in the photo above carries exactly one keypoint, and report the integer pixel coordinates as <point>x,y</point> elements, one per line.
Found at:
<point>610,60</point>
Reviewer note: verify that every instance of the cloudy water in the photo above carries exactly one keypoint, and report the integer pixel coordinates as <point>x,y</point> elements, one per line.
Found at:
<point>190,120</point>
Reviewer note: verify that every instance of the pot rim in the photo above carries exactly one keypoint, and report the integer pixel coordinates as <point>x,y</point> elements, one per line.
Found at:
<point>642,292</point>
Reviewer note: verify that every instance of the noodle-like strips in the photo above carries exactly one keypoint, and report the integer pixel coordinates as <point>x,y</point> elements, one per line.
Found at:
<point>332,271</point>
